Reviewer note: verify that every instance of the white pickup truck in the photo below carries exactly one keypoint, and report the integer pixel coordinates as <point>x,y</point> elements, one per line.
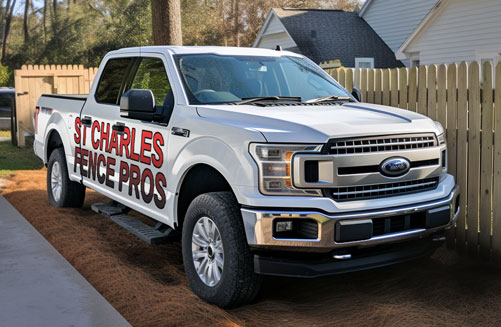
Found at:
<point>258,159</point>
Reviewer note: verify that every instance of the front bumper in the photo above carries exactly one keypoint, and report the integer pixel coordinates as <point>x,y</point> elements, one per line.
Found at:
<point>259,226</point>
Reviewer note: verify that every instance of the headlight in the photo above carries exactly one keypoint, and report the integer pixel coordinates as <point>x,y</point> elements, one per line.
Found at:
<point>441,134</point>
<point>274,162</point>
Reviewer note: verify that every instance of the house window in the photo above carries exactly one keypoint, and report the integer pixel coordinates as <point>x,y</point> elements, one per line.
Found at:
<point>415,63</point>
<point>364,62</point>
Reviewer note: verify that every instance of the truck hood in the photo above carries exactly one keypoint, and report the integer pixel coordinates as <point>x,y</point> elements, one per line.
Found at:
<point>319,123</point>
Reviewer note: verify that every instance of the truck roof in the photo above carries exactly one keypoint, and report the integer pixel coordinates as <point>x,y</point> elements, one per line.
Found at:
<point>208,49</point>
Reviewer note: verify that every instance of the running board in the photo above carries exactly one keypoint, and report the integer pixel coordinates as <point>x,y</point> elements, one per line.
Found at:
<point>160,234</point>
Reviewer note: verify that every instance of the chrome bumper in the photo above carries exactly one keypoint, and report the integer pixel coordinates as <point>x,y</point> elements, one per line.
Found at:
<point>259,226</point>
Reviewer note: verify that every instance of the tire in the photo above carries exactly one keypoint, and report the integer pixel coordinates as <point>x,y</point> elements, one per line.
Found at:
<point>67,194</point>
<point>238,283</point>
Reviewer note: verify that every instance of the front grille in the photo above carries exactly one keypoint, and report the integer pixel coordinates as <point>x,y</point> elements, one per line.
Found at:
<point>350,193</point>
<point>381,143</point>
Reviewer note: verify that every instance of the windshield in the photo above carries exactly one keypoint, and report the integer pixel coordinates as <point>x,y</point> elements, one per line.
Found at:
<point>210,78</point>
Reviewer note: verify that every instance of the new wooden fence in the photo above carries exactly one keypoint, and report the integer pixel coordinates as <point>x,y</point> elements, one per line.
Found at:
<point>463,99</point>
<point>33,81</point>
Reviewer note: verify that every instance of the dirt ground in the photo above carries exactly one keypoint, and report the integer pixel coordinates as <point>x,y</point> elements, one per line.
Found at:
<point>148,287</point>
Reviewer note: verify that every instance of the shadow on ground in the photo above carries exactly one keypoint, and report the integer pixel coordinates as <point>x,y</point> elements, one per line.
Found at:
<point>148,287</point>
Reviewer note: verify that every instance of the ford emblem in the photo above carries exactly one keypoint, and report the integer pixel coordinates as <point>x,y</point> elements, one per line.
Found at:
<point>396,166</point>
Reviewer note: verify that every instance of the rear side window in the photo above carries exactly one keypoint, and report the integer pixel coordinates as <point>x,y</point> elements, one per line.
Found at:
<point>111,80</point>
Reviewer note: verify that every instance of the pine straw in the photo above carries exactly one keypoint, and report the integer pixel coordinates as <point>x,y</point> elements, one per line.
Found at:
<point>148,287</point>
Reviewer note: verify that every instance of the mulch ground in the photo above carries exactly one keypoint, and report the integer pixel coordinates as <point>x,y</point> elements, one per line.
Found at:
<point>148,287</point>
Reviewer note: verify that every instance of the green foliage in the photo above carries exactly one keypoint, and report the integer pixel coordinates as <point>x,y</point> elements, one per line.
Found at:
<point>5,76</point>
<point>82,32</point>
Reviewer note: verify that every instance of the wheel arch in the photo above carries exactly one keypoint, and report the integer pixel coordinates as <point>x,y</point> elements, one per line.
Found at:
<point>198,179</point>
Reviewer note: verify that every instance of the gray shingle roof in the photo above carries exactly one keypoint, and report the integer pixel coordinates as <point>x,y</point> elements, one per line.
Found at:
<point>324,35</point>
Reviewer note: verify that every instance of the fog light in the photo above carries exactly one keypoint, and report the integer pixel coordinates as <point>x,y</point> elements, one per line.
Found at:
<point>284,226</point>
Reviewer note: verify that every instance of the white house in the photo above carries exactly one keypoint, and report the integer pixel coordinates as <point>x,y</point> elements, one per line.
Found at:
<point>454,31</point>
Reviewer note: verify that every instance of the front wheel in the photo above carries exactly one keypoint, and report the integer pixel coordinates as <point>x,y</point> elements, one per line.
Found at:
<point>217,259</point>
<point>61,190</point>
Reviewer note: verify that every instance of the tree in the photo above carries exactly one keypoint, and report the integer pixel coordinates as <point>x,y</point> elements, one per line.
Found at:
<point>25,21</point>
<point>166,22</point>
<point>9,10</point>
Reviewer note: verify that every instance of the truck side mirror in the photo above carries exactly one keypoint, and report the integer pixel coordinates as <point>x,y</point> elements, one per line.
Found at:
<point>356,94</point>
<point>138,104</point>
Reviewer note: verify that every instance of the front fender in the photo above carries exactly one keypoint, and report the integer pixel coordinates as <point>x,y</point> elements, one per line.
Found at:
<point>236,167</point>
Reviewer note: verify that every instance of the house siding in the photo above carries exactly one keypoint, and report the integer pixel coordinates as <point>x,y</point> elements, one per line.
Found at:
<point>275,34</point>
<point>395,20</point>
<point>459,32</point>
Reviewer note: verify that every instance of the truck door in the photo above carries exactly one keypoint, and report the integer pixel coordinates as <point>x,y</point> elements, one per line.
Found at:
<point>124,158</point>
<point>142,169</point>
<point>96,118</point>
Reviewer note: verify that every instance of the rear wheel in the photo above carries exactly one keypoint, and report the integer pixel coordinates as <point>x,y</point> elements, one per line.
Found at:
<point>61,190</point>
<point>217,259</point>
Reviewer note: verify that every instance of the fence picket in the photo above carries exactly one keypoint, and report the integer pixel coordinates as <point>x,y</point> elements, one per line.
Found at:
<point>363,84</point>
<point>386,87</point>
<point>462,154</point>
<point>394,87</point>
<point>422,98</point>
<point>441,95</point>
<point>432,92</point>
<point>474,119</point>
<point>349,80</point>
<point>370,86</point>
<point>412,89</point>
<point>333,73</point>
<point>486,171</point>
<point>451,119</point>
<point>402,77</point>
<point>341,77</point>
<point>496,228</point>
<point>377,88</point>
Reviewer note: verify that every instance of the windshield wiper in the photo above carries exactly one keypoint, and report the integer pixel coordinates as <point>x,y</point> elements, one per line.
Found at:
<point>330,98</point>
<point>268,98</point>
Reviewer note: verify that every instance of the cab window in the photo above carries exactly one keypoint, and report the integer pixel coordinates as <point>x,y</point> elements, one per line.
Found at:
<point>151,75</point>
<point>108,89</point>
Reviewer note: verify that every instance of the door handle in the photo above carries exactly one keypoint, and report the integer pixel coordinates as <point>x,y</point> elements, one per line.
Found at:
<point>180,132</point>
<point>119,127</point>
<point>86,121</point>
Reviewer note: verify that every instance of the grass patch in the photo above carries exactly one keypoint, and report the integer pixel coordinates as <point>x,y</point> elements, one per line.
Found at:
<point>13,158</point>
<point>5,134</point>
